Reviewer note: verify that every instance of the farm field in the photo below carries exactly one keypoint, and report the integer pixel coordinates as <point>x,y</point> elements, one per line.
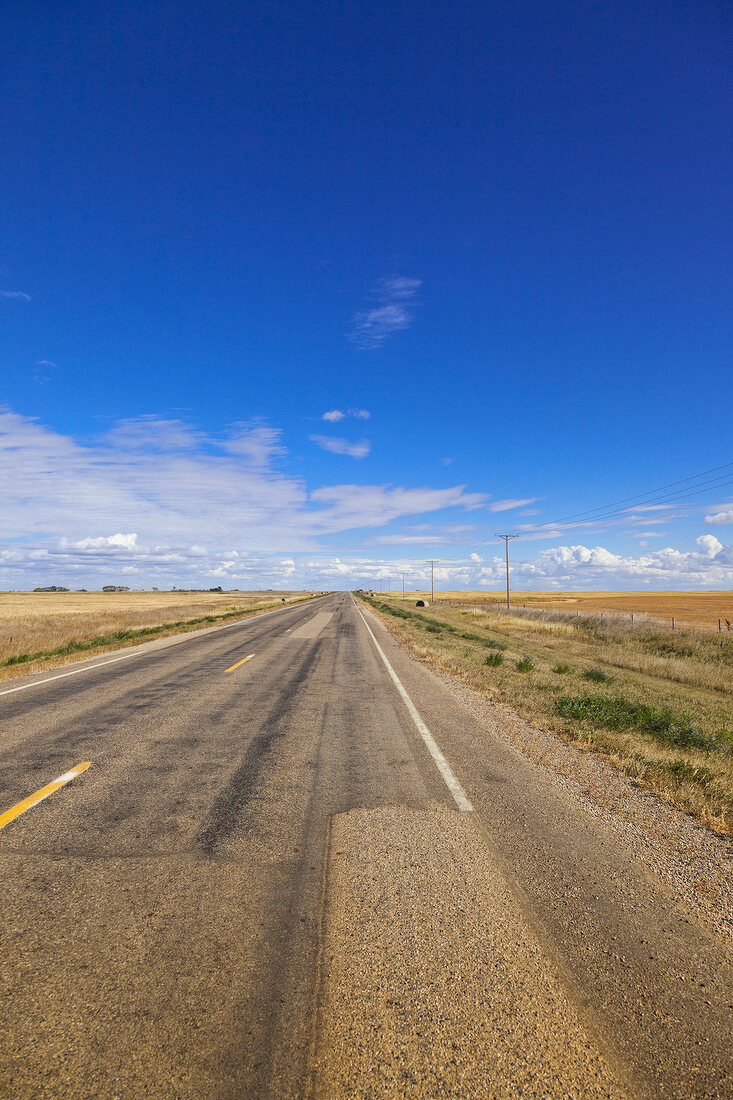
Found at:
<point>694,609</point>
<point>657,702</point>
<point>46,629</point>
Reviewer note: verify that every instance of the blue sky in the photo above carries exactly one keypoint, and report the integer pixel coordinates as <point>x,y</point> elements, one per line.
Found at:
<point>496,238</point>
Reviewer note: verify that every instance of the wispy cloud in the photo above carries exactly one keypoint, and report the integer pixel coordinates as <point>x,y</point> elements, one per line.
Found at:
<point>166,503</point>
<point>392,311</point>
<point>507,505</point>
<point>338,446</point>
<point>334,415</point>
<point>14,296</point>
<point>42,369</point>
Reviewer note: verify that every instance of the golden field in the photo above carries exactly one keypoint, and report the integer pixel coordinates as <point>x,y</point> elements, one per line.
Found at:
<point>34,624</point>
<point>657,702</point>
<point>694,609</point>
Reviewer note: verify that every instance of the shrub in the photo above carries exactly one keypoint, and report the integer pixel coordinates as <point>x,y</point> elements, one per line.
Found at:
<point>494,659</point>
<point>433,629</point>
<point>562,670</point>
<point>597,675</point>
<point>526,664</point>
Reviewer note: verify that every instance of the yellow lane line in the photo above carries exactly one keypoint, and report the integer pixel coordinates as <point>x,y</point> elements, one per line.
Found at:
<point>241,662</point>
<point>44,792</point>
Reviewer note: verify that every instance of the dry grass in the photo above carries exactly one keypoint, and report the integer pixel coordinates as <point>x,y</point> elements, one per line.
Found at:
<point>46,629</point>
<point>701,610</point>
<point>658,703</point>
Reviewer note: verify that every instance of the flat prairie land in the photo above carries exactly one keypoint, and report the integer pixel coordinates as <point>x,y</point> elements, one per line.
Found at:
<point>43,629</point>
<point>657,702</point>
<point>695,609</point>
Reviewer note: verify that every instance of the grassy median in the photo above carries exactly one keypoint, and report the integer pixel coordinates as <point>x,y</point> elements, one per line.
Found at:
<point>658,703</point>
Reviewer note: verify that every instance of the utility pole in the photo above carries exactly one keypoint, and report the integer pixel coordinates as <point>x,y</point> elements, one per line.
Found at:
<point>389,586</point>
<point>432,563</point>
<point>403,584</point>
<point>506,547</point>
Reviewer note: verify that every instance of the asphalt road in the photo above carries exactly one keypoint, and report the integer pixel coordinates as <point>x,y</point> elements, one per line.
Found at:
<point>266,886</point>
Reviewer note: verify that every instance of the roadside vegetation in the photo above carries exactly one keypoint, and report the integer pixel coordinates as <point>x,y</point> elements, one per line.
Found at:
<point>657,702</point>
<point>42,629</point>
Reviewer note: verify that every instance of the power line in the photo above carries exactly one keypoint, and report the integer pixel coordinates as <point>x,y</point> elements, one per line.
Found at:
<point>641,500</point>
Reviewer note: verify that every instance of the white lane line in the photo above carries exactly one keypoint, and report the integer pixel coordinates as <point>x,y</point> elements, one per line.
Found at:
<point>136,652</point>
<point>460,797</point>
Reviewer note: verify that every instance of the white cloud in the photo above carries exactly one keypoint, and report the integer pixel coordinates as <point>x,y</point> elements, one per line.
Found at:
<point>165,497</point>
<point>255,441</point>
<point>108,542</point>
<point>720,518</point>
<point>709,545</point>
<point>352,506</point>
<point>391,312</point>
<point>342,446</point>
<point>14,296</point>
<point>506,505</point>
<point>334,415</point>
<point>152,433</point>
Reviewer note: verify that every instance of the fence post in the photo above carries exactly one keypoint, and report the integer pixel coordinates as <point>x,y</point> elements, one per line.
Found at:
<point>632,616</point>
<point>719,626</point>
<point>673,622</point>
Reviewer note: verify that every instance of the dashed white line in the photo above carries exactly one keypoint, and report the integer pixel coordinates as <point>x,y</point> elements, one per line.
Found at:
<point>460,797</point>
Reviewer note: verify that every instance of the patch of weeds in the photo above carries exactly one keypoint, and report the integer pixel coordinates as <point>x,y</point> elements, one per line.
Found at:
<point>685,773</point>
<point>526,664</point>
<point>562,670</point>
<point>619,713</point>
<point>433,629</point>
<point>597,675</point>
<point>494,660</point>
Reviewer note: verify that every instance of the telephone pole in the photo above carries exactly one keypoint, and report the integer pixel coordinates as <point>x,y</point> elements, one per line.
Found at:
<point>389,585</point>
<point>432,563</point>
<point>506,547</point>
<point>403,584</point>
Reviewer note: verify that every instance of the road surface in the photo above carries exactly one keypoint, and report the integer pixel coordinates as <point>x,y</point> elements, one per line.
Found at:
<point>297,866</point>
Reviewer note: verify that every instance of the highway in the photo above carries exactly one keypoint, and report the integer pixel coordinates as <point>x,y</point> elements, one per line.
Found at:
<point>297,866</point>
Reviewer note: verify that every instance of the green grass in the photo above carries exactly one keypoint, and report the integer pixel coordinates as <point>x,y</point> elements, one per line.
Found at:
<point>615,712</point>
<point>494,660</point>
<point>525,664</point>
<point>562,669</point>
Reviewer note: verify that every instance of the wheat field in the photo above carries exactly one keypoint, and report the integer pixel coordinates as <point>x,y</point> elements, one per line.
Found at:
<point>700,610</point>
<point>36,627</point>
